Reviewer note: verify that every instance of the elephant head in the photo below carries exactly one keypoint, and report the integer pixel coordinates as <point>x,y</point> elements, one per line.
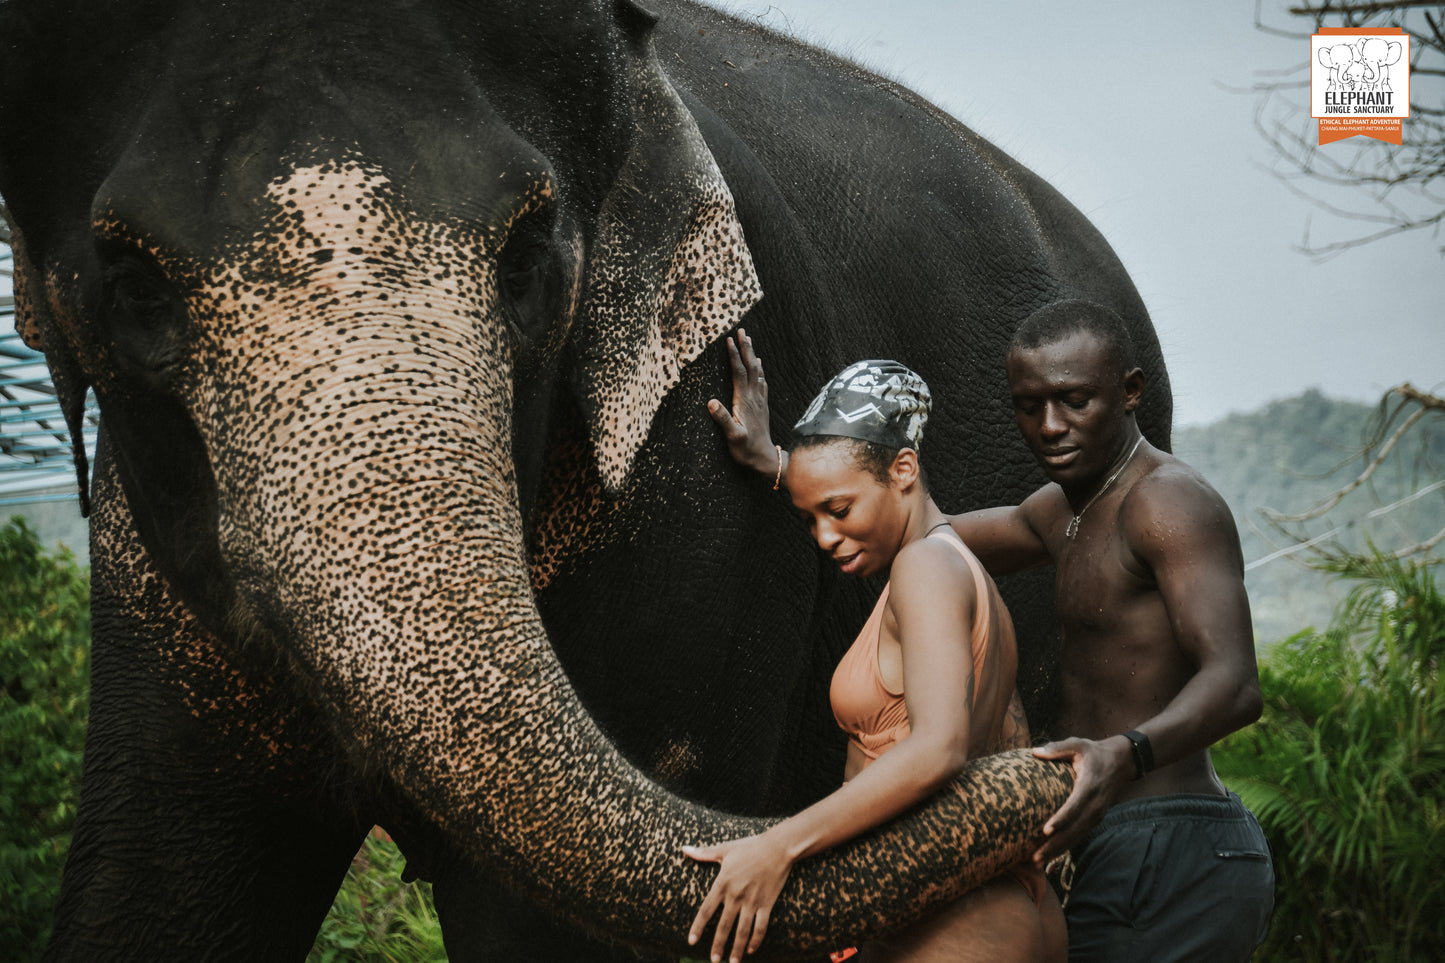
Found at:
<point>329,300</point>
<point>1375,56</point>
<point>1337,58</point>
<point>1353,76</point>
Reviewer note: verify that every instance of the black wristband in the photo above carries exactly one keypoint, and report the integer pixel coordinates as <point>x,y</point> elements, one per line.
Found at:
<point>1143,752</point>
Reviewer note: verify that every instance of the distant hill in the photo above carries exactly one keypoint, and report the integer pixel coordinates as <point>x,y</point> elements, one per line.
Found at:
<point>1290,455</point>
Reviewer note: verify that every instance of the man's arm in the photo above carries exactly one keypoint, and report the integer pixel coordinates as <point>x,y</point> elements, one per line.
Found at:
<point>1180,530</point>
<point>1183,532</point>
<point>1009,539</point>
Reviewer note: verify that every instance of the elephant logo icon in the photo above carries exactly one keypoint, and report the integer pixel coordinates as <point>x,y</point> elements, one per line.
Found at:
<point>1352,88</point>
<point>1363,65</point>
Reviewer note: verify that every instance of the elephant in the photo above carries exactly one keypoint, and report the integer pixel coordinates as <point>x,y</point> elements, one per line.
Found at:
<point>1339,58</point>
<point>407,510</point>
<point>1375,56</point>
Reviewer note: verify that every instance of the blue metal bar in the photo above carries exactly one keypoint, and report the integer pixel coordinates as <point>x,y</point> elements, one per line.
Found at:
<point>53,467</point>
<point>29,458</point>
<point>6,500</point>
<point>51,452</point>
<point>35,383</point>
<point>50,412</point>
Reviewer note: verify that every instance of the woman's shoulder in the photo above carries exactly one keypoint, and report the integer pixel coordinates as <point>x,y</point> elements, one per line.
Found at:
<point>932,598</point>
<point>933,564</point>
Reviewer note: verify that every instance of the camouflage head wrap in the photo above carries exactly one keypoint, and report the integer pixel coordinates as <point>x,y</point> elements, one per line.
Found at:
<point>878,401</point>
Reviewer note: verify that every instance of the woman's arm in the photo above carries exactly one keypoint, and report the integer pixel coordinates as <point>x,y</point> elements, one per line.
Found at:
<point>745,424</point>
<point>930,612</point>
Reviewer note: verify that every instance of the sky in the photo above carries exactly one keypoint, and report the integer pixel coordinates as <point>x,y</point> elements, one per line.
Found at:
<point>1141,114</point>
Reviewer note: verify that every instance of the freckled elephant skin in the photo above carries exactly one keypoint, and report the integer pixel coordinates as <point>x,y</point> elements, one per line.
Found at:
<point>269,843</point>
<point>402,318</point>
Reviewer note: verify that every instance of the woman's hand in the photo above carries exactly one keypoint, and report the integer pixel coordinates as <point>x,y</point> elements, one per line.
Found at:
<point>745,426</point>
<point>752,874</point>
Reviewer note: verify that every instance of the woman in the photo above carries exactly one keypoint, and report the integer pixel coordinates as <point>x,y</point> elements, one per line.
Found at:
<point>928,684</point>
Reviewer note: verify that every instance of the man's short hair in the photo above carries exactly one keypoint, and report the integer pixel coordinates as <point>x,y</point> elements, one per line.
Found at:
<point>1054,322</point>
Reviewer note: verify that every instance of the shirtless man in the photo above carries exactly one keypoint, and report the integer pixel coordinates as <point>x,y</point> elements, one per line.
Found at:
<point>1157,658</point>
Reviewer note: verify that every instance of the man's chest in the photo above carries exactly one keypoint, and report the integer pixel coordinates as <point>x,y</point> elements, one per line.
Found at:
<point>1098,582</point>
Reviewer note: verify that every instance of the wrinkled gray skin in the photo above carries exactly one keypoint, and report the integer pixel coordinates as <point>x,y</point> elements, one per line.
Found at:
<point>402,317</point>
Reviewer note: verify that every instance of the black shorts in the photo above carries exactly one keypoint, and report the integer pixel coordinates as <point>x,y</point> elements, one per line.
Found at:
<point>1182,877</point>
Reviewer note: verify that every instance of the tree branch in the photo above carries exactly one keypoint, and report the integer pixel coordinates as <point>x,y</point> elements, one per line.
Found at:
<point>1422,547</point>
<point>1376,451</point>
<point>1381,440</point>
<point>1358,9</point>
<point>1338,495</point>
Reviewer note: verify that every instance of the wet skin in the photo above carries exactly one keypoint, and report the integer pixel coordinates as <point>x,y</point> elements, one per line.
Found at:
<point>1150,592</point>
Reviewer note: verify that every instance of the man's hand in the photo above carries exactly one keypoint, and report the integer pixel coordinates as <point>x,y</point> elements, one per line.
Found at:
<point>745,426</point>
<point>1100,771</point>
<point>753,873</point>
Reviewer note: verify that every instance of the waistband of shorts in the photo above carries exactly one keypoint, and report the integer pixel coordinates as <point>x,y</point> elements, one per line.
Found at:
<point>1198,805</point>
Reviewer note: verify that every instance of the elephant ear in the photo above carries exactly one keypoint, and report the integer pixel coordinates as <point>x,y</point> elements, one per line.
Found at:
<point>668,274</point>
<point>36,329</point>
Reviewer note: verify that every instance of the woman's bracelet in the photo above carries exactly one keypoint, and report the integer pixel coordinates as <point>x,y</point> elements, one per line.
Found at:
<point>778,479</point>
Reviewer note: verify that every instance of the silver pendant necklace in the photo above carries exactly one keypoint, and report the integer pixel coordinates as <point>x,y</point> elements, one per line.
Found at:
<point>1073,528</point>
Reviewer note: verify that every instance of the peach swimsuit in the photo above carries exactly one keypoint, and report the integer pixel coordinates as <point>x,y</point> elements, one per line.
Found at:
<point>876,718</point>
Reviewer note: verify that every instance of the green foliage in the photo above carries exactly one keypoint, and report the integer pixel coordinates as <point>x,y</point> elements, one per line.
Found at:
<point>44,701</point>
<point>1346,772</point>
<point>376,917</point>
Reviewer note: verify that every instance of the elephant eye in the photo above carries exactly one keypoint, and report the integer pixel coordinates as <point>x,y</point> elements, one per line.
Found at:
<point>144,316</point>
<point>529,277</point>
<point>522,272</point>
<point>135,294</point>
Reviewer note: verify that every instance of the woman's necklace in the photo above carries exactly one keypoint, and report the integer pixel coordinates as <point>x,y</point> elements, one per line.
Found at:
<point>935,528</point>
<point>1073,528</point>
